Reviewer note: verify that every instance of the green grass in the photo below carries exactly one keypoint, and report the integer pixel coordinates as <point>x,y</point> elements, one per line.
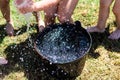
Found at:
<point>102,63</point>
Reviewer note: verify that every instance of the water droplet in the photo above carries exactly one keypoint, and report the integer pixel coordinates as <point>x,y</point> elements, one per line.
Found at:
<point>53,72</point>
<point>44,69</point>
<point>21,59</point>
<point>65,73</point>
<point>56,14</point>
<point>41,70</point>
<point>50,63</point>
<point>62,71</point>
<point>71,70</point>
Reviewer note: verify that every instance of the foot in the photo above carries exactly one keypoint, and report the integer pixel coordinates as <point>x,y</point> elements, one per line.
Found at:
<point>9,29</point>
<point>95,29</point>
<point>115,35</point>
<point>41,25</point>
<point>3,61</point>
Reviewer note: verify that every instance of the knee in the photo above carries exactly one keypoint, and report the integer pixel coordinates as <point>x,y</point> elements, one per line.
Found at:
<point>63,19</point>
<point>116,11</point>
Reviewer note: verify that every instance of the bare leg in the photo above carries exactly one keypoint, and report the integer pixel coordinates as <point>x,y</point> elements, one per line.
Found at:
<point>116,10</point>
<point>50,14</point>
<point>65,10</point>
<point>5,9</point>
<point>39,20</point>
<point>3,61</point>
<point>103,15</point>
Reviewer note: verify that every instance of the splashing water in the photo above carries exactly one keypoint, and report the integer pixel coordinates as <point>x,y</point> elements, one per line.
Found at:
<point>27,17</point>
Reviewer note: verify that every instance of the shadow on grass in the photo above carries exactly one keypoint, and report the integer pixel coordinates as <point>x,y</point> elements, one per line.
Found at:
<point>22,30</point>
<point>2,33</point>
<point>23,57</point>
<point>102,39</point>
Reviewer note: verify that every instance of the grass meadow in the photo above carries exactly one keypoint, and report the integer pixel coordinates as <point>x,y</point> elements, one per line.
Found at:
<point>102,61</point>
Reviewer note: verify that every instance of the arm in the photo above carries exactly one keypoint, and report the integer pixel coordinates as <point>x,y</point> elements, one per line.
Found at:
<point>37,6</point>
<point>44,4</point>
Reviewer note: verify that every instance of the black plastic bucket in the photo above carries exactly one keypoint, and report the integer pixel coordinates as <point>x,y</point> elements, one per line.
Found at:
<point>64,45</point>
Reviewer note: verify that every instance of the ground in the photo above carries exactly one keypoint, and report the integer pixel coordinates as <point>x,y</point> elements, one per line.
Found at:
<point>102,61</point>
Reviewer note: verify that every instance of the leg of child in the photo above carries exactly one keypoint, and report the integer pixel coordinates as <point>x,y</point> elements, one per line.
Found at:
<point>65,10</point>
<point>50,14</point>
<point>116,11</point>
<point>5,9</point>
<point>102,18</point>
<point>39,20</point>
<point>3,61</point>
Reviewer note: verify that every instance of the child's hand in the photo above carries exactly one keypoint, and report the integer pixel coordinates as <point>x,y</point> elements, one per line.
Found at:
<point>24,6</point>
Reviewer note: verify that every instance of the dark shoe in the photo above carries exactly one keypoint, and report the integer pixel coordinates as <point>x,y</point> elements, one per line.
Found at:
<point>9,29</point>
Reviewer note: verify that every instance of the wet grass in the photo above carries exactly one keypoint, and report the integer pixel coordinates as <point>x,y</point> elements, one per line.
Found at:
<point>102,61</point>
